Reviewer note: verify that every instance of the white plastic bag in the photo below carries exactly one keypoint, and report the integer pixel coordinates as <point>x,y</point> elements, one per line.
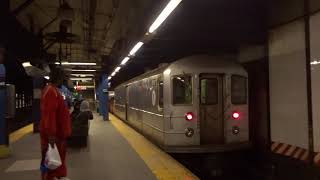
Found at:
<point>53,160</point>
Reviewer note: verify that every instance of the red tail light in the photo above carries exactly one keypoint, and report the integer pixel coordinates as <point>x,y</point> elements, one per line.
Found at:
<point>235,115</point>
<point>189,116</point>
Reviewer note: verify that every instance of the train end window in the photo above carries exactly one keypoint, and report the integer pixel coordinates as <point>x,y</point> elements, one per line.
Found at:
<point>238,90</point>
<point>209,91</point>
<point>182,89</point>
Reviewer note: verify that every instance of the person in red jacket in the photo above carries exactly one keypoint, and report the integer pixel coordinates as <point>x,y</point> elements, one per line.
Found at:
<point>55,124</point>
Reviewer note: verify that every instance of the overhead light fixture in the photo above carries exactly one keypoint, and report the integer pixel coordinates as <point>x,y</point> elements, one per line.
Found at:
<point>315,62</point>
<point>80,79</point>
<point>26,64</point>
<point>164,14</point>
<point>47,77</point>
<point>109,77</point>
<point>167,71</point>
<point>125,60</point>
<point>76,64</point>
<point>136,48</point>
<point>83,75</point>
<point>117,69</point>
<point>83,70</point>
<point>114,73</point>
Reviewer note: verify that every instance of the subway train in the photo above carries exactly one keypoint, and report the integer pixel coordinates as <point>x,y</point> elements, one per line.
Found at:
<point>197,104</point>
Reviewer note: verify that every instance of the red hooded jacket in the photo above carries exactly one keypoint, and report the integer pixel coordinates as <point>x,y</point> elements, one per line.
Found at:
<point>55,118</point>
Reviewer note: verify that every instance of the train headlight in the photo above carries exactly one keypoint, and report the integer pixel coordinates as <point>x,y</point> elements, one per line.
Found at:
<point>189,132</point>
<point>235,130</point>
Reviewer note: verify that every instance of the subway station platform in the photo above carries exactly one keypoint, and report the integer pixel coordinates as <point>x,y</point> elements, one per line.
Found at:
<point>115,151</point>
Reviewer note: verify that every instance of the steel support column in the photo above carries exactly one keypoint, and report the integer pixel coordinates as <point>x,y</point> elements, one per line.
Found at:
<point>4,147</point>
<point>102,95</point>
<point>37,86</point>
<point>308,78</point>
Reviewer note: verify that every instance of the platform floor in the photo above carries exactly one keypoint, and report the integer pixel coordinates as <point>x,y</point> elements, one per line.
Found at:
<point>115,152</point>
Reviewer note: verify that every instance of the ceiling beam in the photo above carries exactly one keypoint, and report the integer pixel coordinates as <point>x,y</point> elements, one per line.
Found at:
<point>23,6</point>
<point>49,44</point>
<point>48,24</point>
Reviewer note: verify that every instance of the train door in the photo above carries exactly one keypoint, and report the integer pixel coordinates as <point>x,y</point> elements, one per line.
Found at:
<point>211,109</point>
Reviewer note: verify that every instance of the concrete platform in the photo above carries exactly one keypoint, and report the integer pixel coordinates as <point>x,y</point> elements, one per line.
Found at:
<point>115,152</point>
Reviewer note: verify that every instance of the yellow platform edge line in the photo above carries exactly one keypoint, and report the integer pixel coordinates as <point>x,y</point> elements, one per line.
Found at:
<point>20,133</point>
<point>4,151</point>
<point>162,165</point>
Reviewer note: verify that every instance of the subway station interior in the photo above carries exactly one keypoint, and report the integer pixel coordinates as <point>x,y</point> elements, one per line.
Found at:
<point>159,89</point>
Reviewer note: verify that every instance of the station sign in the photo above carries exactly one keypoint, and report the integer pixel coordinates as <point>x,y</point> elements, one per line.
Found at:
<point>79,88</point>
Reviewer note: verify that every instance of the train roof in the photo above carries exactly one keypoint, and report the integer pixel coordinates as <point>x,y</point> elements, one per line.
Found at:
<point>150,73</point>
<point>195,62</point>
<point>207,64</point>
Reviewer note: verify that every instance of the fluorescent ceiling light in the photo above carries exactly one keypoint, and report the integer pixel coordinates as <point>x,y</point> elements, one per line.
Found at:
<point>136,48</point>
<point>114,73</point>
<point>47,77</point>
<point>315,62</point>
<point>83,70</point>
<point>167,71</point>
<point>117,69</point>
<point>111,93</point>
<point>164,14</point>
<point>77,63</point>
<point>26,64</point>
<point>125,60</point>
<point>83,75</point>
<point>109,77</point>
<point>80,79</point>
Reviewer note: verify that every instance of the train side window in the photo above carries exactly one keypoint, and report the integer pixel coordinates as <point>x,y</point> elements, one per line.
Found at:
<point>238,90</point>
<point>182,90</point>
<point>209,91</point>
<point>161,94</point>
<point>23,101</point>
<point>17,101</point>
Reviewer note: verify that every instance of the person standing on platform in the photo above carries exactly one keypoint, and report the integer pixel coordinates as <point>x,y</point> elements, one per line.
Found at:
<point>85,115</point>
<point>55,124</point>
<point>72,141</point>
<point>80,125</point>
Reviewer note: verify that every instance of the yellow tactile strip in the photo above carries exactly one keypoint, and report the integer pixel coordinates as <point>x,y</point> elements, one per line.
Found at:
<point>161,164</point>
<point>15,136</point>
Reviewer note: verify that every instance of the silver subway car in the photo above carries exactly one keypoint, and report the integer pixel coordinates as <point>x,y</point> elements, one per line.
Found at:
<point>196,104</point>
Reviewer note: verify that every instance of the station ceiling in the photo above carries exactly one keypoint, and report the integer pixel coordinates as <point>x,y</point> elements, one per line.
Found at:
<point>107,29</point>
<point>217,27</point>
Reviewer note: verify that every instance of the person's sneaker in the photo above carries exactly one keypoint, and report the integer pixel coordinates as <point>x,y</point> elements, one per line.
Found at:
<point>64,178</point>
